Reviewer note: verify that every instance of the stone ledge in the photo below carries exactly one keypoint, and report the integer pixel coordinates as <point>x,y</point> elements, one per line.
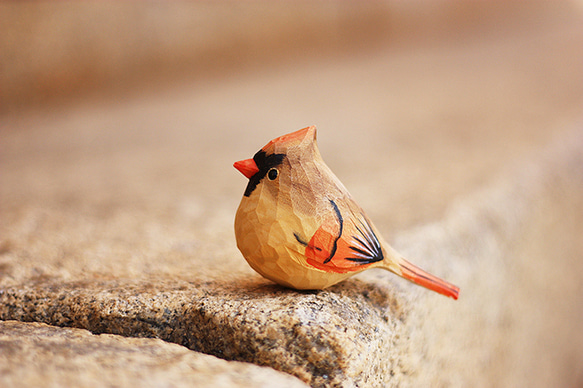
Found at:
<point>34,355</point>
<point>365,332</point>
<point>514,249</point>
<point>325,338</point>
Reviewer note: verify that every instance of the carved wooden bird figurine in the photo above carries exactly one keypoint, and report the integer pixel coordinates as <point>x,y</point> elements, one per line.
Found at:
<point>298,226</point>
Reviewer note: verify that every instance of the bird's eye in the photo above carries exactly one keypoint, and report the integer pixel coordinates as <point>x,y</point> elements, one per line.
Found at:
<point>272,174</point>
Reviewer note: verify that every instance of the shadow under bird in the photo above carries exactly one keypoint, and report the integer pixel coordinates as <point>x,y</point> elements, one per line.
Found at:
<point>298,226</point>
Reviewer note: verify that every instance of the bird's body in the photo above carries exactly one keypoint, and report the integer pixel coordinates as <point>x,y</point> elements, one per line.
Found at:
<point>298,226</point>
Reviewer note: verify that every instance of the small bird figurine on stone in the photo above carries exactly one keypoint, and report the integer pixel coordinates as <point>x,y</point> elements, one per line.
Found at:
<point>298,226</point>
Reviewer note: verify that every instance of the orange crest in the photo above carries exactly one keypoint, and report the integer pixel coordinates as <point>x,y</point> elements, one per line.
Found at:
<point>292,139</point>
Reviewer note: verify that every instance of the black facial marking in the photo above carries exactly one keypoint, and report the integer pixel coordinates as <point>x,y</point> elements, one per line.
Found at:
<point>264,163</point>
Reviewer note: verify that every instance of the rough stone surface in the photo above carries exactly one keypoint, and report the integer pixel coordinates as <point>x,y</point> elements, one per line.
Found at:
<point>117,215</point>
<point>363,332</point>
<point>325,338</point>
<point>35,355</point>
<point>517,250</point>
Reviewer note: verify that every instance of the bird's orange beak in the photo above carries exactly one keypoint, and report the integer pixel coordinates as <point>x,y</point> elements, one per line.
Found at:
<point>248,167</point>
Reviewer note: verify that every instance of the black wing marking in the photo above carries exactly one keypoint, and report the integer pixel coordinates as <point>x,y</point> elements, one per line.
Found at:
<point>300,240</point>
<point>341,221</point>
<point>366,246</point>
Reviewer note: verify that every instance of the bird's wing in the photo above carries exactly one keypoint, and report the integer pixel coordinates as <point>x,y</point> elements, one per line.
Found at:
<point>343,243</point>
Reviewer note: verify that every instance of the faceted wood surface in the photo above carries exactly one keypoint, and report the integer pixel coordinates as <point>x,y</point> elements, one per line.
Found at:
<point>298,226</point>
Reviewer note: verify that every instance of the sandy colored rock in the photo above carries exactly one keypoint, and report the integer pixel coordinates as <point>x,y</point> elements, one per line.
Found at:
<point>365,332</point>
<point>486,243</point>
<point>34,354</point>
<point>325,338</point>
<point>517,249</point>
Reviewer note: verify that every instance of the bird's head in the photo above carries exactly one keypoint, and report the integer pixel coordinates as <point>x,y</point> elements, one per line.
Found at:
<point>276,158</point>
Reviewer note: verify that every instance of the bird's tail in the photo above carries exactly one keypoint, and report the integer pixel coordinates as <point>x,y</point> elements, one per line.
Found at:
<point>415,274</point>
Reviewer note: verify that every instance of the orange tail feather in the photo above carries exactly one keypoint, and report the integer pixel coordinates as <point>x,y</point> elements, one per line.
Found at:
<point>417,275</point>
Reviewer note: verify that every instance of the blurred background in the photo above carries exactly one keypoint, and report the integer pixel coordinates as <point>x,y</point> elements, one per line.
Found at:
<point>52,52</point>
<point>429,98</point>
<point>120,121</point>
